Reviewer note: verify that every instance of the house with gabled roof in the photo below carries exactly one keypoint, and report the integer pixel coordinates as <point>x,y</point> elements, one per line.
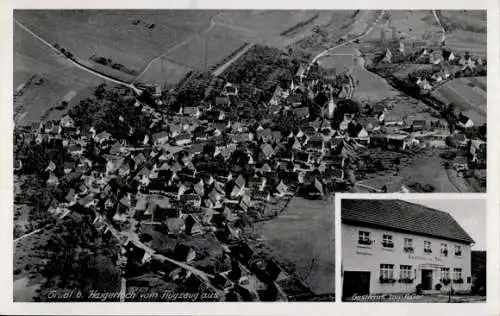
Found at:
<point>408,244</point>
<point>318,186</point>
<point>334,174</point>
<point>124,169</point>
<point>478,152</point>
<point>71,197</point>
<point>87,201</point>
<point>67,122</point>
<point>315,143</point>
<point>301,113</point>
<point>435,57</point>
<point>267,150</point>
<point>282,189</point>
<point>75,149</point>
<point>464,121</point>
<point>370,124</point>
<point>245,202</point>
<point>192,111</point>
<point>53,179</point>
<point>160,138</point>
<point>214,199</point>
<point>387,56</point>
<point>193,225</point>
<point>303,157</point>
<point>51,166</point>
<point>102,137</point>
<point>68,167</point>
<point>297,144</point>
<point>182,139</point>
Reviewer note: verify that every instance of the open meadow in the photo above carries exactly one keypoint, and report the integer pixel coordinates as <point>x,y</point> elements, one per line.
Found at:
<point>465,41</point>
<point>59,79</point>
<point>423,168</point>
<point>418,25</point>
<point>465,30</point>
<point>467,94</point>
<point>304,234</point>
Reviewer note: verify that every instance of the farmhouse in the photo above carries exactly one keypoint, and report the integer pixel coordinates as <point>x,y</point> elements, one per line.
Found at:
<point>464,121</point>
<point>160,138</point>
<point>478,152</point>
<point>387,56</point>
<point>392,246</point>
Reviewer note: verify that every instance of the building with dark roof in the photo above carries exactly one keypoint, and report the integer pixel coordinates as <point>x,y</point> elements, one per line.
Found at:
<point>393,246</point>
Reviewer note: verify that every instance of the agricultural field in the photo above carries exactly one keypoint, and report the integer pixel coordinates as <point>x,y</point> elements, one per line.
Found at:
<point>423,168</point>
<point>271,22</point>
<point>163,72</point>
<point>304,234</point>
<point>205,51</point>
<point>465,30</point>
<point>59,78</point>
<point>466,20</point>
<point>468,95</point>
<point>114,34</point>
<point>417,25</point>
<point>341,24</point>
<point>465,41</point>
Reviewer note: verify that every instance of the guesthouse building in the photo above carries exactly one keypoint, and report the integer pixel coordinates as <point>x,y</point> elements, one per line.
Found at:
<point>393,247</point>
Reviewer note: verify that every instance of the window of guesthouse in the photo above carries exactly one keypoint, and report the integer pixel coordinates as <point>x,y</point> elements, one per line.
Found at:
<point>427,247</point>
<point>364,238</point>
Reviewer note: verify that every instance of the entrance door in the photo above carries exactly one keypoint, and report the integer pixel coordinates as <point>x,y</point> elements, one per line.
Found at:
<point>355,282</point>
<point>426,279</point>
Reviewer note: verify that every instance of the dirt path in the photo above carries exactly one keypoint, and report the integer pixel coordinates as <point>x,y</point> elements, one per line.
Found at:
<point>28,234</point>
<point>63,215</point>
<point>441,25</point>
<point>221,68</point>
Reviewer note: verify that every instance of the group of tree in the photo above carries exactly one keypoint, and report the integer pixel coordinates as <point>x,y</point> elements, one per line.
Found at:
<point>76,256</point>
<point>64,51</point>
<point>109,62</point>
<point>112,110</point>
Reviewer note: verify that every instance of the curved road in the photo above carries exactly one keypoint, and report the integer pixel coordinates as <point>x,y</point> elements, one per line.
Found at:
<point>326,51</point>
<point>441,25</point>
<point>77,64</point>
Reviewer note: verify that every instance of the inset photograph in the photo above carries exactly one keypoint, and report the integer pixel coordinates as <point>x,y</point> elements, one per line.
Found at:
<point>413,250</point>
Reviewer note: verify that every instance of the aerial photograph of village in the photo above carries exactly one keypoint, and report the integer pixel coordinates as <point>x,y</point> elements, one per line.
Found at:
<point>193,155</point>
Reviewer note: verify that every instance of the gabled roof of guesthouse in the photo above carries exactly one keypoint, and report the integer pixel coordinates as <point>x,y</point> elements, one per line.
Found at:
<point>403,216</point>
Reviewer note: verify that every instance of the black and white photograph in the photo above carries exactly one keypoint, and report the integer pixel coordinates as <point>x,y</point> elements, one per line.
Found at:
<point>413,250</point>
<point>193,155</point>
